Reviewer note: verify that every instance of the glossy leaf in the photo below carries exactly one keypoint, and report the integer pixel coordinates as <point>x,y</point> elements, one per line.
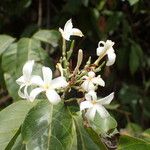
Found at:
<point>5,42</point>
<point>11,119</point>
<point>48,127</point>
<point>49,36</point>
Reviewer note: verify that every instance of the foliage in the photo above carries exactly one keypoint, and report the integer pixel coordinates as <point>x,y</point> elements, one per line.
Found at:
<point>24,38</point>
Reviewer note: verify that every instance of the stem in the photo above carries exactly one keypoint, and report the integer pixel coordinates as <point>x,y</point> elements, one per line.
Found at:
<point>40,14</point>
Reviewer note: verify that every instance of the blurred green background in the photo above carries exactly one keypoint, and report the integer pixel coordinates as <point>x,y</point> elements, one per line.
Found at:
<point>126,22</point>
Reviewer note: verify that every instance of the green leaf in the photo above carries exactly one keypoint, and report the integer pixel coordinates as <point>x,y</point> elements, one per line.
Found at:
<point>48,127</point>
<point>5,42</point>
<point>132,143</point>
<point>30,49</point>
<point>87,139</point>
<point>103,125</point>
<point>9,70</point>
<point>11,119</point>
<point>49,36</point>
<point>133,2</point>
<point>134,60</point>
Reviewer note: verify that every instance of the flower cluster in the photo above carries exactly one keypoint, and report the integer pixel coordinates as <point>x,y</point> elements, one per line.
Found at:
<point>46,85</point>
<point>84,80</point>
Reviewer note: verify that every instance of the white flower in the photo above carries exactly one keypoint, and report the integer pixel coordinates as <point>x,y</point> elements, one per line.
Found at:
<point>69,30</point>
<point>48,85</point>
<point>106,48</point>
<point>91,81</point>
<point>93,105</point>
<point>26,79</point>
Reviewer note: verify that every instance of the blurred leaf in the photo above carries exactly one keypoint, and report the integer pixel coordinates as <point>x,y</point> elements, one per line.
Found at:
<point>9,70</point>
<point>134,129</point>
<point>5,42</point>
<point>134,60</point>
<point>133,2</point>
<point>146,135</point>
<point>136,57</point>
<point>11,119</point>
<point>131,143</point>
<point>30,49</point>
<point>49,36</point>
<point>48,127</point>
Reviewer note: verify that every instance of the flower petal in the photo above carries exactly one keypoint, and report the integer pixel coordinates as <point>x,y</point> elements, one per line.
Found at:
<point>85,104</point>
<point>88,85</point>
<point>91,95</point>
<point>36,80</point>
<point>91,74</point>
<point>27,70</point>
<point>20,93</point>
<point>20,80</point>
<point>68,26</point>
<point>34,93</point>
<point>59,82</point>
<point>77,32</point>
<point>102,111</point>
<point>53,97</point>
<point>106,100</point>
<point>90,114</point>
<point>47,75</point>
<point>98,81</point>
<point>111,58</point>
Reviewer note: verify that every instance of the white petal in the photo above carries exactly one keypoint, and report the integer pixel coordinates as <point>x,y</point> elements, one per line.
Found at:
<point>36,80</point>
<point>20,93</point>
<point>76,32</point>
<point>98,81</point>
<point>23,94</point>
<point>85,105</point>
<point>27,69</point>
<point>111,59</point>
<point>91,95</point>
<point>59,82</point>
<point>106,100</point>
<point>90,114</point>
<point>53,97</point>
<point>61,31</point>
<point>20,80</point>
<point>109,43</point>
<point>68,26</point>
<point>102,111</point>
<point>91,74</point>
<point>88,85</point>
<point>99,51</point>
<point>47,75</point>
<point>34,93</point>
